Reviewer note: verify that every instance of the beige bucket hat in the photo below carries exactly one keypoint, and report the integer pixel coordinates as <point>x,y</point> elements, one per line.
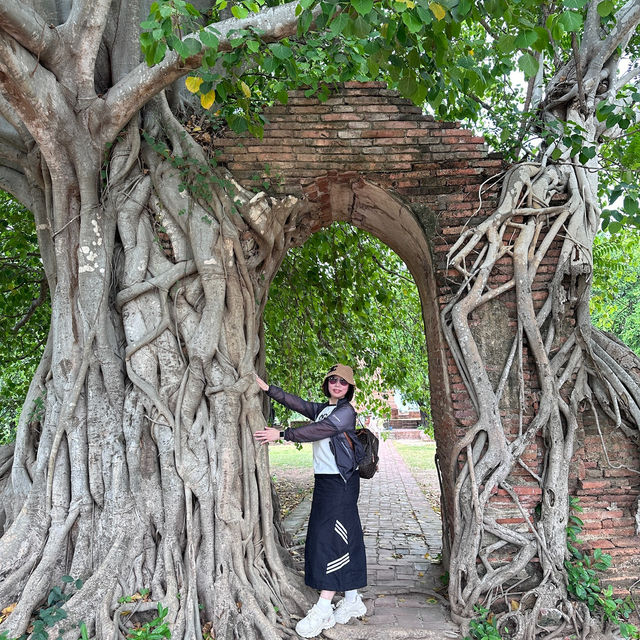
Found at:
<point>341,370</point>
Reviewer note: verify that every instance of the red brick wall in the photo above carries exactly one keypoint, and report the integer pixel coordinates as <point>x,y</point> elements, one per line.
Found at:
<point>364,134</point>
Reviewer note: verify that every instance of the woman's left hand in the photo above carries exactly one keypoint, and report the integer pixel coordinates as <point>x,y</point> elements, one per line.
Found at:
<point>267,435</point>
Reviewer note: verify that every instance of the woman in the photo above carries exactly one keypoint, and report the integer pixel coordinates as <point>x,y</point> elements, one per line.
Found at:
<point>334,554</point>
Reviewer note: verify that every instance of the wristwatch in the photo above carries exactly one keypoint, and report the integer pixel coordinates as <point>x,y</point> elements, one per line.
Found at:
<point>282,434</point>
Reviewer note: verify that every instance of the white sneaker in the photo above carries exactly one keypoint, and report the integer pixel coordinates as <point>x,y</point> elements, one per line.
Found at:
<point>315,622</point>
<point>347,610</point>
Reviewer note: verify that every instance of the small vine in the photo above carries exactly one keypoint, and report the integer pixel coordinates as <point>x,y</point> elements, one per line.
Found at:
<point>583,582</point>
<point>483,627</point>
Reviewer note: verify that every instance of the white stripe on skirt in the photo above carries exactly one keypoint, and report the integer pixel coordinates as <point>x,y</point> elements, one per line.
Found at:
<point>341,531</point>
<point>338,564</point>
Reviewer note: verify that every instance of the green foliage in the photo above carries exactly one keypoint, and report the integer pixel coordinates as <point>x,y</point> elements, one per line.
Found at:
<point>345,297</point>
<point>620,157</point>
<point>615,297</point>
<point>583,581</point>
<point>457,59</point>
<point>24,311</point>
<point>483,627</point>
<point>49,616</point>
<point>153,630</point>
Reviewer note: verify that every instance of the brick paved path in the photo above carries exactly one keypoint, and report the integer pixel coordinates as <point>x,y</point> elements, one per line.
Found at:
<point>403,541</point>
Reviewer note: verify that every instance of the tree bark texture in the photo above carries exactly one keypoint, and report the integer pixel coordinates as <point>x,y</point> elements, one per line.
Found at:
<point>578,368</point>
<point>134,466</point>
<point>140,472</point>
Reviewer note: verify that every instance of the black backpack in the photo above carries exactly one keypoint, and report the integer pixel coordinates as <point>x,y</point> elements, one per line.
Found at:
<point>369,463</point>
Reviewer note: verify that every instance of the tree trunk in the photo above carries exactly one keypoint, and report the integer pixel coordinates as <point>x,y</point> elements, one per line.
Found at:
<point>142,472</point>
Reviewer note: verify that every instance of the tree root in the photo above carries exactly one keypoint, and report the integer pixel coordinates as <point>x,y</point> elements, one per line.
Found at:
<point>582,367</point>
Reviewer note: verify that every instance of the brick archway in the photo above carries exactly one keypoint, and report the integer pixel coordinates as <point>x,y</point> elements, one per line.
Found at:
<point>371,158</point>
<point>347,197</point>
<point>367,155</point>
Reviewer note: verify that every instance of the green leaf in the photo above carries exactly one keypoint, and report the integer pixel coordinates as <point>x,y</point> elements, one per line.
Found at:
<point>305,21</point>
<point>362,6</point>
<point>192,46</point>
<point>525,39</point>
<point>338,24</point>
<point>464,6</point>
<point>239,11</point>
<point>407,85</point>
<point>528,64</point>
<point>420,94</point>
<point>412,21</point>
<point>506,43</point>
<point>571,21</point>
<point>630,205</point>
<point>361,27</point>
<point>280,51</point>
<point>155,53</point>
<point>209,39</point>
<point>605,8</point>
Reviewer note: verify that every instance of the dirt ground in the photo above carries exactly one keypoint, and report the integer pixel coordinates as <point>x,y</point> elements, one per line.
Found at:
<point>292,485</point>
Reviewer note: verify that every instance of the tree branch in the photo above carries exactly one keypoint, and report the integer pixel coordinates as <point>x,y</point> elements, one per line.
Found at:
<point>12,128</point>
<point>627,19</point>
<point>27,27</point>
<point>135,89</point>
<point>39,301</point>
<point>626,78</point>
<point>33,93</point>
<point>83,32</point>
<point>591,25</point>
<point>577,58</point>
<point>15,183</point>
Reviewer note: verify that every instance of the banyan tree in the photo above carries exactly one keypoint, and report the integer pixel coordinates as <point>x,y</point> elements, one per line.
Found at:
<point>134,467</point>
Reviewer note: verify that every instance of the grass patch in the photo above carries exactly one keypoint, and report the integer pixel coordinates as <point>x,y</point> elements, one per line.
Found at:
<point>287,456</point>
<point>418,456</point>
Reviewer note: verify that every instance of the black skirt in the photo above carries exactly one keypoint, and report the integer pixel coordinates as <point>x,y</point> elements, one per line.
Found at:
<point>334,554</point>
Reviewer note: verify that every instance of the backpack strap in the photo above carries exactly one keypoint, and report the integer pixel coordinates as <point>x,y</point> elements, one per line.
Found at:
<point>349,440</point>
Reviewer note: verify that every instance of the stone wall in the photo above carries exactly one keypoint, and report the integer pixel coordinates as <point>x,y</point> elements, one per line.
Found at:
<point>369,157</point>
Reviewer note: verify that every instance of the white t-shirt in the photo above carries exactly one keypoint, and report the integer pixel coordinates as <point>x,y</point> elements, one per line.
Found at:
<point>323,459</point>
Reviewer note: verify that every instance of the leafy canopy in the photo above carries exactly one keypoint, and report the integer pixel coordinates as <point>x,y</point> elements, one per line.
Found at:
<point>615,298</point>
<point>458,59</point>
<point>346,297</point>
<point>24,310</point>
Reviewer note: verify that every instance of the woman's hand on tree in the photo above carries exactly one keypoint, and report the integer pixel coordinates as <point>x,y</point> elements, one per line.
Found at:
<point>267,435</point>
<point>261,383</point>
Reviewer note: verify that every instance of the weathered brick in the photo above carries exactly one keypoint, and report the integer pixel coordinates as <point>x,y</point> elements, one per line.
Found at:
<point>366,132</point>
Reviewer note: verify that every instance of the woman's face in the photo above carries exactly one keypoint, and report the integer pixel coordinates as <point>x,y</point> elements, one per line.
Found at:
<point>338,387</point>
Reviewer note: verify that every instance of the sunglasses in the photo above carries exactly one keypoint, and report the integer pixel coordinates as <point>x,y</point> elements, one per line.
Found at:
<point>338,380</point>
